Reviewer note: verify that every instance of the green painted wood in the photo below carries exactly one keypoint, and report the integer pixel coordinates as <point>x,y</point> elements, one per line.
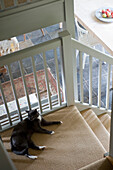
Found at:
<point>31,19</point>
<point>69,17</point>
<point>26,6</point>
<point>5,161</point>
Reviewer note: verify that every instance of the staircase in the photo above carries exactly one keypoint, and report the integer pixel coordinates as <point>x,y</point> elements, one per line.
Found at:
<point>106,120</point>
<point>97,127</point>
<point>79,143</point>
<point>100,126</point>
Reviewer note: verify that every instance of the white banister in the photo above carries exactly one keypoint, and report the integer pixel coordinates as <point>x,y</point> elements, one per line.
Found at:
<point>47,81</point>
<point>14,91</point>
<point>5,103</point>
<point>68,66</point>
<point>25,86</point>
<point>90,80</point>
<point>15,2</point>
<point>81,76</point>
<point>101,57</point>
<point>108,87</point>
<point>92,52</point>
<point>75,53</point>
<point>36,85</point>
<point>99,83</point>
<point>0,127</point>
<point>44,105</point>
<point>57,75</point>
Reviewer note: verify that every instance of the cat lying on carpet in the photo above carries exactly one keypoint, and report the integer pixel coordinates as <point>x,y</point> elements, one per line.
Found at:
<point>21,135</point>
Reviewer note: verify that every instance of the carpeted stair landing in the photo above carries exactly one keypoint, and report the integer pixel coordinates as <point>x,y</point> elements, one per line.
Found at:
<point>73,146</point>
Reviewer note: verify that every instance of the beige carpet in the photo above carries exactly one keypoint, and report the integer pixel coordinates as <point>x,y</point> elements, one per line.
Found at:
<point>97,127</point>
<point>73,145</point>
<point>106,120</point>
<point>102,164</point>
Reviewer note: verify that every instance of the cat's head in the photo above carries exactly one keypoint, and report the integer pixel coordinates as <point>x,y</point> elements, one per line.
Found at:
<point>32,114</point>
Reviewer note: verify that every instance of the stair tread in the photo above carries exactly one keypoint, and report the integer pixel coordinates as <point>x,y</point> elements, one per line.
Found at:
<point>102,164</point>
<point>97,127</point>
<point>106,120</point>
<point>71,147</point>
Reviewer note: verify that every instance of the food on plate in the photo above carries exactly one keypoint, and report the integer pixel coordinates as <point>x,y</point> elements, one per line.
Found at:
<point>104,15</point>
<point>107,13</point>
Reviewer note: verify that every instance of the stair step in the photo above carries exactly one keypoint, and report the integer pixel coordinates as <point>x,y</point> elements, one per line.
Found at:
<point>106,120</point>
<point>97,127</point>
<point>102,164</point>
<point>73,145</point>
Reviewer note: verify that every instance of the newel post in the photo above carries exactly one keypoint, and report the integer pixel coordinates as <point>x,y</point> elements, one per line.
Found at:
<point>67,60</point>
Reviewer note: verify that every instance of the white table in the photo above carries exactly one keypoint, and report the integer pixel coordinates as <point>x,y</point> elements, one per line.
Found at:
<point>84,10</point>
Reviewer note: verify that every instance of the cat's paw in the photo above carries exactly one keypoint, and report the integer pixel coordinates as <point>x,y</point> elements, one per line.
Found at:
<point>32,157</point>
<point>61,122</point>
<point>52,132</point>
<point>42,147</point>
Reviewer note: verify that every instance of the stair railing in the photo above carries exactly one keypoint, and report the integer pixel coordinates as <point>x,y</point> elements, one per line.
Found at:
<point>79,81</point>
<point>45,104</point>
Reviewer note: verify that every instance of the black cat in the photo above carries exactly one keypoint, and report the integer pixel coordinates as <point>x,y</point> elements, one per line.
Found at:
<point>21,135</point>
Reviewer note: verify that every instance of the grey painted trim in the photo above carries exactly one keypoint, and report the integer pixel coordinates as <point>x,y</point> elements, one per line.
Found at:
<point>5,161</point>
<point>26,6</point>
<point>2,4</point>
<point>31,19</point>
<point>69,17</point>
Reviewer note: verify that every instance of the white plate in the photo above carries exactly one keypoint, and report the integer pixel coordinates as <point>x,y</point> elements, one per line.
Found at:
<point>98,14</point>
